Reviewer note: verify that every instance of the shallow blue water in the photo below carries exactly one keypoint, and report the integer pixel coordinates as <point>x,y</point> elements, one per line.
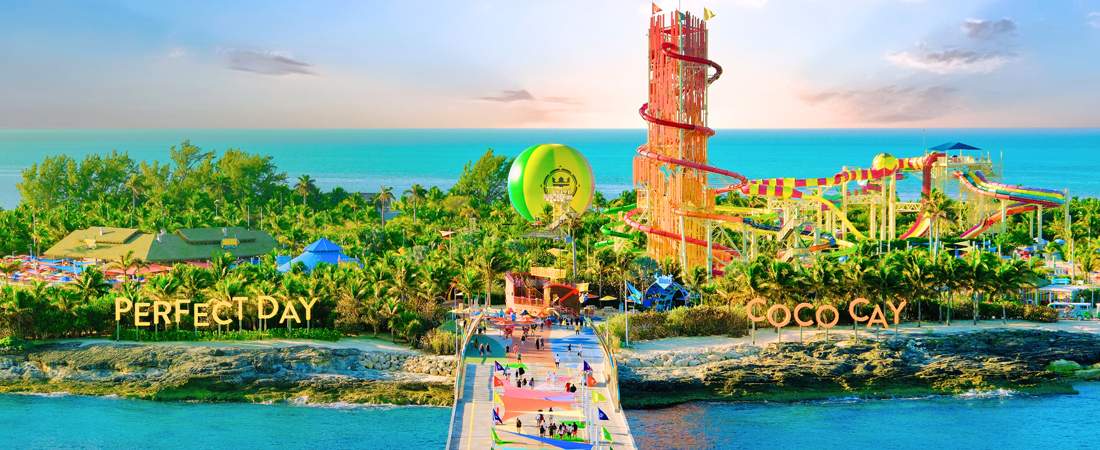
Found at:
<point>997,422</point>
<point>363,160</point>
<point>76,422</point>
<point>1001,422</point>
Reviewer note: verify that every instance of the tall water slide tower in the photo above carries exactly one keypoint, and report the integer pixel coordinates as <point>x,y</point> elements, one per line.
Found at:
<point>676,115</point>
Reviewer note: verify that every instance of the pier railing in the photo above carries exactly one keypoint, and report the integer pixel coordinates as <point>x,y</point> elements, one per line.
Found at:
<point>460,369</point>
<point>611,368</point>
<point>460,366</point>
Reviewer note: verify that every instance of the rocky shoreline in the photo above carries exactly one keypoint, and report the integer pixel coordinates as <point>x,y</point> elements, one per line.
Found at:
<point>317,375</point>
<point>1025,361</point>
<point>945,364</point>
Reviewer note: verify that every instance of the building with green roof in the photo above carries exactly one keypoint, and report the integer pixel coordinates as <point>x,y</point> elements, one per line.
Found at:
<point>189,244</point>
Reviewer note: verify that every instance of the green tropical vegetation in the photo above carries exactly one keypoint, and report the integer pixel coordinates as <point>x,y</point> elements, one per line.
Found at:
<point>444,246</point>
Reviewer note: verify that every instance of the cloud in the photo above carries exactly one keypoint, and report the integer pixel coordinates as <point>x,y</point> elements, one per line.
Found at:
<point>951,60</point>
<point>180,52</point>
<point>265,63</point>
<point>889,104</point>
<point>985,29</point>
<point>510,96</point>
<point>1094,19</point>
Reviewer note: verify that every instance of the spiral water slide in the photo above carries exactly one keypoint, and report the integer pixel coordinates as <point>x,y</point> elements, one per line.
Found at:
<point>670,50</point>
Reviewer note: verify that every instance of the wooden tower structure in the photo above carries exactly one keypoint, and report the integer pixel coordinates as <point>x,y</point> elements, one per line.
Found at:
<point>677,117</point>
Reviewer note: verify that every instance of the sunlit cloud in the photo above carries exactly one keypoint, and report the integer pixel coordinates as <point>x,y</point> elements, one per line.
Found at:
<point>951,60</point>
<point>510,96</point>
<point>888,104</point>
<point>264,63</point>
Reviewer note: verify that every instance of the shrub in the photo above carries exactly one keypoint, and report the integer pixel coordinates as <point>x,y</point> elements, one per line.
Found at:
<point>439,342</point>
<point>13,343</point>
<point>322,334</point>
<point>683,321</point>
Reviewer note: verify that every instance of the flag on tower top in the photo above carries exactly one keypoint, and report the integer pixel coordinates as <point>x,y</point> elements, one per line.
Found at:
<point>656,9</point>
<point>707,14</point>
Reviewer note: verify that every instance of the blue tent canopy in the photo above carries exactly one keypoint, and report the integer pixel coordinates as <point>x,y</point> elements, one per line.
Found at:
<point>322,251</point>
<point>953,146</point>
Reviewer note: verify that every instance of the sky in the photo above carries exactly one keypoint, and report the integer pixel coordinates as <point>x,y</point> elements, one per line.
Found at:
<point>541,64</point>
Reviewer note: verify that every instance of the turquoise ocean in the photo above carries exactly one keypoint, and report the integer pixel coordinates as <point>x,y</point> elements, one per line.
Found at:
<point>363,160</point>
<point>1000,421</point>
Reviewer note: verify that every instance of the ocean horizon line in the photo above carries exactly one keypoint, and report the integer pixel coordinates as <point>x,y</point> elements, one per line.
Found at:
<point>640,128</point>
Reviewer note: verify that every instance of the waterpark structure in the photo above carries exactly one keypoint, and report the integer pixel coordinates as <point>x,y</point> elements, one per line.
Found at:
<point>677,186</point>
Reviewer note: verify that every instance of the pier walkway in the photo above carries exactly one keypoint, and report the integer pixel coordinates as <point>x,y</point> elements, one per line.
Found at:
<point>473,425</point>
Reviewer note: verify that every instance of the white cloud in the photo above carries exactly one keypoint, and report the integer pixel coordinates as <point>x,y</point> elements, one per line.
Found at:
<point>1094,19</point>
<point>989,29</point>
<point>951,60</point>
<point>180,52</point>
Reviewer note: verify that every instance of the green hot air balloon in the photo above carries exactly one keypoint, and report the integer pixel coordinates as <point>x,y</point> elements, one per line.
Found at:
<point>547,168</point>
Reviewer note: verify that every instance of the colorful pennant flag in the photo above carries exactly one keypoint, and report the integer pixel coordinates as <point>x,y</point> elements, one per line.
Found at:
<point>683,17</point>
<point>656,9</point>
<point>707,14</point>
<point>497,382</point>
<point>587,368</point>
<point>607,435</point>
<point>597,397</point>
<point>498,366</point>
<point>496,419</point>
<point>497,439</point>
<point>591,381</point>
<point>602,416</point>
<point>496,398</point>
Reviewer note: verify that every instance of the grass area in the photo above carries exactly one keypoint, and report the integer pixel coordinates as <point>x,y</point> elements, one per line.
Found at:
<point>449,326</point>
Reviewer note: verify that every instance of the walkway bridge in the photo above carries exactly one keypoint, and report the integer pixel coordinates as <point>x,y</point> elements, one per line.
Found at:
<point>473,422</point>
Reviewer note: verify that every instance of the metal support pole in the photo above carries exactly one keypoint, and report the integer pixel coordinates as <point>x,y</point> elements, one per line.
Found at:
<point>710,250</point>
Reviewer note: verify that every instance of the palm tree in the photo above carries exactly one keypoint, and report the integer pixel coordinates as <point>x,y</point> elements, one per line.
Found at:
<point>620,264</point>
<point>135,187</point>
<point>492,260</point>
<point>391,311</point>
<point>352,296</point>
<point>126,262</point>
<point>383,200</point>
<point>90,285</point>
<point>162,288</point>
<point>467,282</point>
<point>918,272</point>
<point>17,307</point>
<point>939,208</point>
<point>305,187</point>
<point>7,269</point>
<point>416,195</point>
